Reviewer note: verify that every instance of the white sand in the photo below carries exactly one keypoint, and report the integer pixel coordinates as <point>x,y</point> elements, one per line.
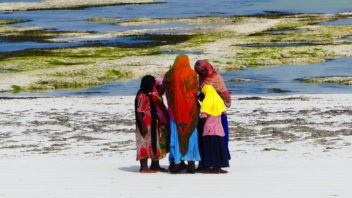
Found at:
<point>106,166</point>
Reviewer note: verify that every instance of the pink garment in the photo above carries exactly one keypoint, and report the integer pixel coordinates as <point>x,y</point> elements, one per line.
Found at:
<point>212,125</point>
<point>158,82</point>
<point>171,114</point>
<point>214,79</point>
<point>158,100</point>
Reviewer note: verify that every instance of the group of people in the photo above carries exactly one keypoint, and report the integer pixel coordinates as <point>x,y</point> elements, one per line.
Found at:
<point>193,127</point>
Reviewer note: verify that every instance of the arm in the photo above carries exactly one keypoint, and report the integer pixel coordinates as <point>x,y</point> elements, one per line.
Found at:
<point>226,96</point>
<point>142,107</point>
<point>220,87</point>
<point>142,128</point>
<point>201,123</point>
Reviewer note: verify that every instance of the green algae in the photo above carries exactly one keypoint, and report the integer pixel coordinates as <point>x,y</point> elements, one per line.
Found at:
<point>102,19</point>
<point>12,21</point>
<point>340,80</point>
<point>64,82</point>
<point>79,67</point>
<point>60,62</point>
<point>273,149</point>
<point>278,90</point>
<point>16,88</point>
<point>271,56</point>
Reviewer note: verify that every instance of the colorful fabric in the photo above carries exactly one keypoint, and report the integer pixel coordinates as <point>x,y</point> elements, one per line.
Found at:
<point>212,125</point>
<point>163,120</point>
<point>181,86</point>
<point>212,103</point>
<point>158,82</point>
<point>214,79</point>
<point>158,100</point>
<point>193,148</point>
<point>144,144</point>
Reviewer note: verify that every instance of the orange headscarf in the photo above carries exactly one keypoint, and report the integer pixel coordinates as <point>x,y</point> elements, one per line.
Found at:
<point>181,86</point>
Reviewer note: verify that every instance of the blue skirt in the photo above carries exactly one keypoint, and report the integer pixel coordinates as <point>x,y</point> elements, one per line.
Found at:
<point>225,125</point>
<point>175,153</point>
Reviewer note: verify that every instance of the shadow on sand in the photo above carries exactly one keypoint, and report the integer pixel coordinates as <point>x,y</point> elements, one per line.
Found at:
<point>131,169</point>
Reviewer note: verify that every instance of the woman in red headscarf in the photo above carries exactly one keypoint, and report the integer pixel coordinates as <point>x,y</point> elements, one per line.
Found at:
<point>208,76</point>
<point>181,85</point>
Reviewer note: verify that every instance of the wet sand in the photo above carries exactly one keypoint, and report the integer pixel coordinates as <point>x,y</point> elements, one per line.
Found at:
<point>99,126</point>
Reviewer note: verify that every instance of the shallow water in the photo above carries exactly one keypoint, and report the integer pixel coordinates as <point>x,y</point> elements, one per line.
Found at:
<point>16,46</point>
<point>269,80</point>
<point>76,20</point>
<point>346,39</point>
<point>338,22</point>
<point>131,41</point>
<point>284,78</point>
<point>285,31</point>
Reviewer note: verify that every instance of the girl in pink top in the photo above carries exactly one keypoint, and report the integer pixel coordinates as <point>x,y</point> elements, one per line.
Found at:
<point>212,146</point>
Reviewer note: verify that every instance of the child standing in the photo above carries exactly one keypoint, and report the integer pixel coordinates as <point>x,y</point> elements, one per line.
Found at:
<point>146,118</point>
<point>213,149</point>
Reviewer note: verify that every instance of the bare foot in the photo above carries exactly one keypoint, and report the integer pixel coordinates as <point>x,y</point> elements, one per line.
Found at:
<point>147,171</point>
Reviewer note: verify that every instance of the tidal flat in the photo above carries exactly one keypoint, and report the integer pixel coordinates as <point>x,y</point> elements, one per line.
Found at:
<point>231,43</point>
<point>65,4</point>
<point>342,80</point>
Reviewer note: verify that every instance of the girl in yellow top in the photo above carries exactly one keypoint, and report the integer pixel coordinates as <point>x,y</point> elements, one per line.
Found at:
<point>212,146</point>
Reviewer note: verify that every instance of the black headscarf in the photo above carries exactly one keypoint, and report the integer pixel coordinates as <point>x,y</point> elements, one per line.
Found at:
<point>146,87</point>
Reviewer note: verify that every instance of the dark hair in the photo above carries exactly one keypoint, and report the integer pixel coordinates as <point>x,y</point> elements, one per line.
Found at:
<point>147,83</point>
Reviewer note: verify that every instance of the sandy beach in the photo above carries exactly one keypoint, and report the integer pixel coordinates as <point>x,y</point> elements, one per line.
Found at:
<point>76,136</point>
<point>281,146</point>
